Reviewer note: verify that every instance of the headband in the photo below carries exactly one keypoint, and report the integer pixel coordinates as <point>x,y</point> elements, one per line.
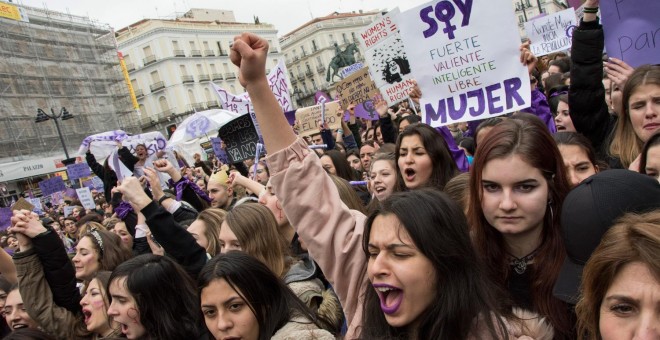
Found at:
<point>98,239</point>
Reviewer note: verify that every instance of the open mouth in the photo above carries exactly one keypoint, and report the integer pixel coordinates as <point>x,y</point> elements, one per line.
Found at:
<point>124,328</point>
<point>390,298</point>
<point>87,314</point>
<point>560,128</point>
<point>409,174</point>
<point>19,326</point>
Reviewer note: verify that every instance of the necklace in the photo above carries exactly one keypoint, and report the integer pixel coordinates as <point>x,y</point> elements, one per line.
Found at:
<point>520,264</point>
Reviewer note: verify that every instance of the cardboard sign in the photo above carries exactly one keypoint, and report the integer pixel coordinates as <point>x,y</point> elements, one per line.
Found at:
<point>78,170</point>
<point>467,63</point>
<point>308,118</point>
<point>5,218</point>
<point>219,152</point>
<point>357,88</point>
<point>85,197</point>
<point>22,204</point>
<point>51,185</point>
<point>632,30</point>
<point>551,33</point>
<point>387,58</point>
<point>240,137</point>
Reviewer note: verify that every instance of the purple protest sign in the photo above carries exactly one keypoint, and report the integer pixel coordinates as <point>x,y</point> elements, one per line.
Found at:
<point>290,117</point>
<point>5,218</point>
<point>51,185</point>
<point>631,31</point>
<point>78,170</point>
<point>70,192</point>
<point>220,153</point>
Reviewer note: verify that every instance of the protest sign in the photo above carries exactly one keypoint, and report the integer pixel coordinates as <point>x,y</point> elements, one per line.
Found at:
<point>97,183</point>
<point>38,208</point>
<point>240,137</point>
<point>22,204</point>
<point>279,87</point>
<point>308,118</point>
<point>551,33</point>
<point>219,152</point>
<point>5,218</point>
<point>85,197</point>
<point>78,170</point>
<point>386,57</point>
<point>356,88</point>
<point>632,30</point>
<point>466,59</point>
<point>68,210</point>
<point>51,185</point>
<point>347,71</point>
<point>57,198</point>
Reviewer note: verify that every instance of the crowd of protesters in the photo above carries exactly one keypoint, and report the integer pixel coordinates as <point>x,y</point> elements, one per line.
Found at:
<point>541,224</point>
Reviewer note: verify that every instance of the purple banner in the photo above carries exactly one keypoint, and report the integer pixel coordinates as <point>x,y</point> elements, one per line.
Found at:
<point>575,3</point>
<point>631,31</point>
<point>70,192</point>
<point>78,170</point>
<point>290,117</point>
<point>5,218</point>
<point>51,185</point>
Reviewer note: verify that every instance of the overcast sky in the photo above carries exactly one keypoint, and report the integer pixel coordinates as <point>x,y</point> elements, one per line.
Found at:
<point>285,15</point>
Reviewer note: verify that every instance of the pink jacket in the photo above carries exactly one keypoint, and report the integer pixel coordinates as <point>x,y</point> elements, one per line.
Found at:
<point>331,231</point>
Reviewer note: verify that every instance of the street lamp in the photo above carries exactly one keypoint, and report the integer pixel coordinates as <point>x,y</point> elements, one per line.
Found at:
<point>64,115</point>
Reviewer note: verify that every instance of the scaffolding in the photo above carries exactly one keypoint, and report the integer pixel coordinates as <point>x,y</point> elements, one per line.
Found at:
<point>58,60</point>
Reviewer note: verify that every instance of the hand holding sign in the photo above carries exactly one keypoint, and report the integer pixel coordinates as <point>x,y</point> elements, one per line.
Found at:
<point>528,58</point>
<point>248,52</point>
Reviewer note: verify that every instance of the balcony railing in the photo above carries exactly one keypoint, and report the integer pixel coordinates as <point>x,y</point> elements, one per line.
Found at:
<point>199,106</point>
<point>203,77</point>
<point>274,51</point>
<point>216,76</point>
<point>222,53</point>
<point>130,67</point>
<point>157,86</point>
<point>230,75</point>
<point>179,53</point>
<point>300,77</point>
<point>195,53</point>
<point>148,121</point>
<point>169,113</point>
<point>294,80</point>
<point>149,60</point>
<point>212,104</point>
<point>308,73</point>
<point>138,93</point>
<point>320,69</point>
<point>187,79</point>
<point>209,53</point>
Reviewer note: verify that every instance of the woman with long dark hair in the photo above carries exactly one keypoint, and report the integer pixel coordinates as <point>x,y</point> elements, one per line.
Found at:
<point>241,297</point>
<point>517,186</point>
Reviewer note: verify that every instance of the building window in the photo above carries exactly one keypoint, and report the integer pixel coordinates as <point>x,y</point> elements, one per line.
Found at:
<point>343,37</point>
<point>314,47</point>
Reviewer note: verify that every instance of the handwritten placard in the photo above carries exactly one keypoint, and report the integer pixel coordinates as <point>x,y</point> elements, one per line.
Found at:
<point>85,197</point>
<point>51,185</point>
<point>22,204</point>
<point>632,30</point>
<point>356,88</point>
<point>466,59</point>
<point>277,81</point>
<point>78,170</point>
<point>219,152</point>
<point>240,137</point>
<point>387,58</point>
<point>551,33</point>
<point>308,118</point>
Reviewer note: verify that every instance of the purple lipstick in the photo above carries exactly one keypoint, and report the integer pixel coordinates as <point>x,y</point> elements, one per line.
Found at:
<point>390,297</point>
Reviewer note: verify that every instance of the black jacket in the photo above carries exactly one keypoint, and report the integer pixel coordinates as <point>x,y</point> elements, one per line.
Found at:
<point>107,175</point>
<point>586,95</point>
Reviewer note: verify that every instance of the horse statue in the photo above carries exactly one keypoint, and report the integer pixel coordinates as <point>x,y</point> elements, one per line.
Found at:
<point>341,59</point>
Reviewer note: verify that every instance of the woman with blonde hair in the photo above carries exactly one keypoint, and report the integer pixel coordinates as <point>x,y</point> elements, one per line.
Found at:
<point>621,281</point>
<point>206,229</point>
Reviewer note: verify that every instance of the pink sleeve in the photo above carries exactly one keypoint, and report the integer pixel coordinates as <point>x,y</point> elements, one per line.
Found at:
<point>331,231</point>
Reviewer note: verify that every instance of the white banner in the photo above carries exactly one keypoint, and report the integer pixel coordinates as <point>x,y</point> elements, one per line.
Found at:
<point>386,56</point>
<point>551,33</point>
<point>465,57</point>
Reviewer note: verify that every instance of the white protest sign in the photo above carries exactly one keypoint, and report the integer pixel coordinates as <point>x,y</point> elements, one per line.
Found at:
<point>38,208</point>
<point>68,210</point>
<point>347,71</point>
<point>86,198</point>
<point>551,33</point>
<point>386,57</point>
<point>240,103</point>
<point>465,57</point>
